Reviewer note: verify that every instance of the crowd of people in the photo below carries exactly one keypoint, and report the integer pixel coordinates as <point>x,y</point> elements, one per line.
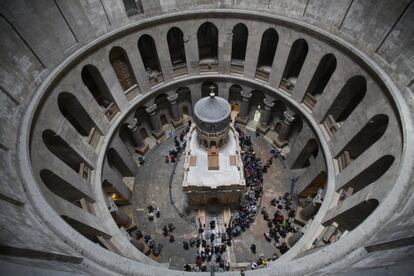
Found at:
<point>212,245</point>
<point>211,242</point>
<point>179,143</point>
<point>253,173</point>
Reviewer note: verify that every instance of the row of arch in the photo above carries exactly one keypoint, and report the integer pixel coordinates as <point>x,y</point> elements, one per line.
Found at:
<point>207,37</point>
<point>74,112</point>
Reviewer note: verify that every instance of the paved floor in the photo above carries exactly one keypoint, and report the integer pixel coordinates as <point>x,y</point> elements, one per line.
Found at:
<point>152,187</point>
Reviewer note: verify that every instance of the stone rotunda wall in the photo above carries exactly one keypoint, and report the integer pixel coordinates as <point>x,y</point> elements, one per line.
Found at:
<point>65,103</point>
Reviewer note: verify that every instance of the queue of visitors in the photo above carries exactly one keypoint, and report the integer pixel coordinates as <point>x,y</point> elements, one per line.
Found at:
<point>179,143</point>
<point>212,242</point>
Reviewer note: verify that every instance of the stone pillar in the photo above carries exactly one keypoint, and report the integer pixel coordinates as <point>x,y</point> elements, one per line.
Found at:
<point>175,111</point>
<point>243,116</point>
<point>284,133</point>
<point>266,112</point>
<point>157,130</point>
<point>293,239</point>
<point>140,146</point>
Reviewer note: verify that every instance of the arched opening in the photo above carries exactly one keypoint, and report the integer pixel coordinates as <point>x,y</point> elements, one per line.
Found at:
<point>143,121</point>
<point>267,51</point>
<point>163,105</point>
<point>320,79</point>
<point>354,216</point>
<point>296,129</point>
<point>347,100</point>
<point>365,138</point>
<point>62,188</point>
<point>175,39</point>
<point>117,163</point>
<point>163,120</point>
<point>126,137</point>
<point>294,64</point>
<point>208,87</point>
<point>371,174</point>
<point>123,70</point>
<point>184,100</point>
<point>149,55</point>
<point>99,90</point>
<point>207,37</point>
<point>185,110</point>
<point>235,97</point>
<point>311,149</point>
<point>255,106</point>
<point>144,133</point>
<point>77,116</point>
<point>278,125</point>
<point>238,48</point>
<point>317,183</point>
<point>64,152</point>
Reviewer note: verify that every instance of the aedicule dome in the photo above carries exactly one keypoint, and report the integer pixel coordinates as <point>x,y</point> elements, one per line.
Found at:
<point>212,109</point>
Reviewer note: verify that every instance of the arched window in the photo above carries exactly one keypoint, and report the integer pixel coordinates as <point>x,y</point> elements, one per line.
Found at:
<point>99,90</point>
<point>238,48</point>
<point>64,152</point>
<point>149,55</point>
<point>354,216</point>
<point>177,51</point>
<point>207,87</point>
<point>320,79</point>
<point>347,100</point>
<point>311,149</point>
<point>123,70</point>
<point>62,188</point>
<point>207,37</point>
<point>235,96</point>
<point>184,99</point>
<point>163,105</point>
<point>74,112</point>
<point>370,174</point>
<point>126,137</point>
<point>267,51</point>
<point>256,101</point>
<point>294,64</point>
<point>365,138</point>
<point>115,162</point>
<point>319,182</point>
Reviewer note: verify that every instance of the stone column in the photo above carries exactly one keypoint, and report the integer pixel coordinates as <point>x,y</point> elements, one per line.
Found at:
<point>175,111</point>
<point>243,116</point>
<point>140,146</point>
<point>284,133</point>
<point>266,112</point>
<point>157,130</point>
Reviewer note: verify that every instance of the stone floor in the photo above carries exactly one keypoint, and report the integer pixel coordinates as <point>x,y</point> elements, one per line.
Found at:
<point>159,184</point>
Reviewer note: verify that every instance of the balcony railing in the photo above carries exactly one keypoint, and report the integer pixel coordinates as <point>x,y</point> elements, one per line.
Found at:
<point>111,110</point>
<point>208,65</point>
<point>132,92</point>
<point>309,101</point>
<point>237,66</point>
<point>263,72</point>
<point>287,85</point>
<point>179,69</point>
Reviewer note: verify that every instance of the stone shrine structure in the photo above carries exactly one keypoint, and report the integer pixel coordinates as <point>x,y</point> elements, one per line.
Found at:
<point>213,165</point>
